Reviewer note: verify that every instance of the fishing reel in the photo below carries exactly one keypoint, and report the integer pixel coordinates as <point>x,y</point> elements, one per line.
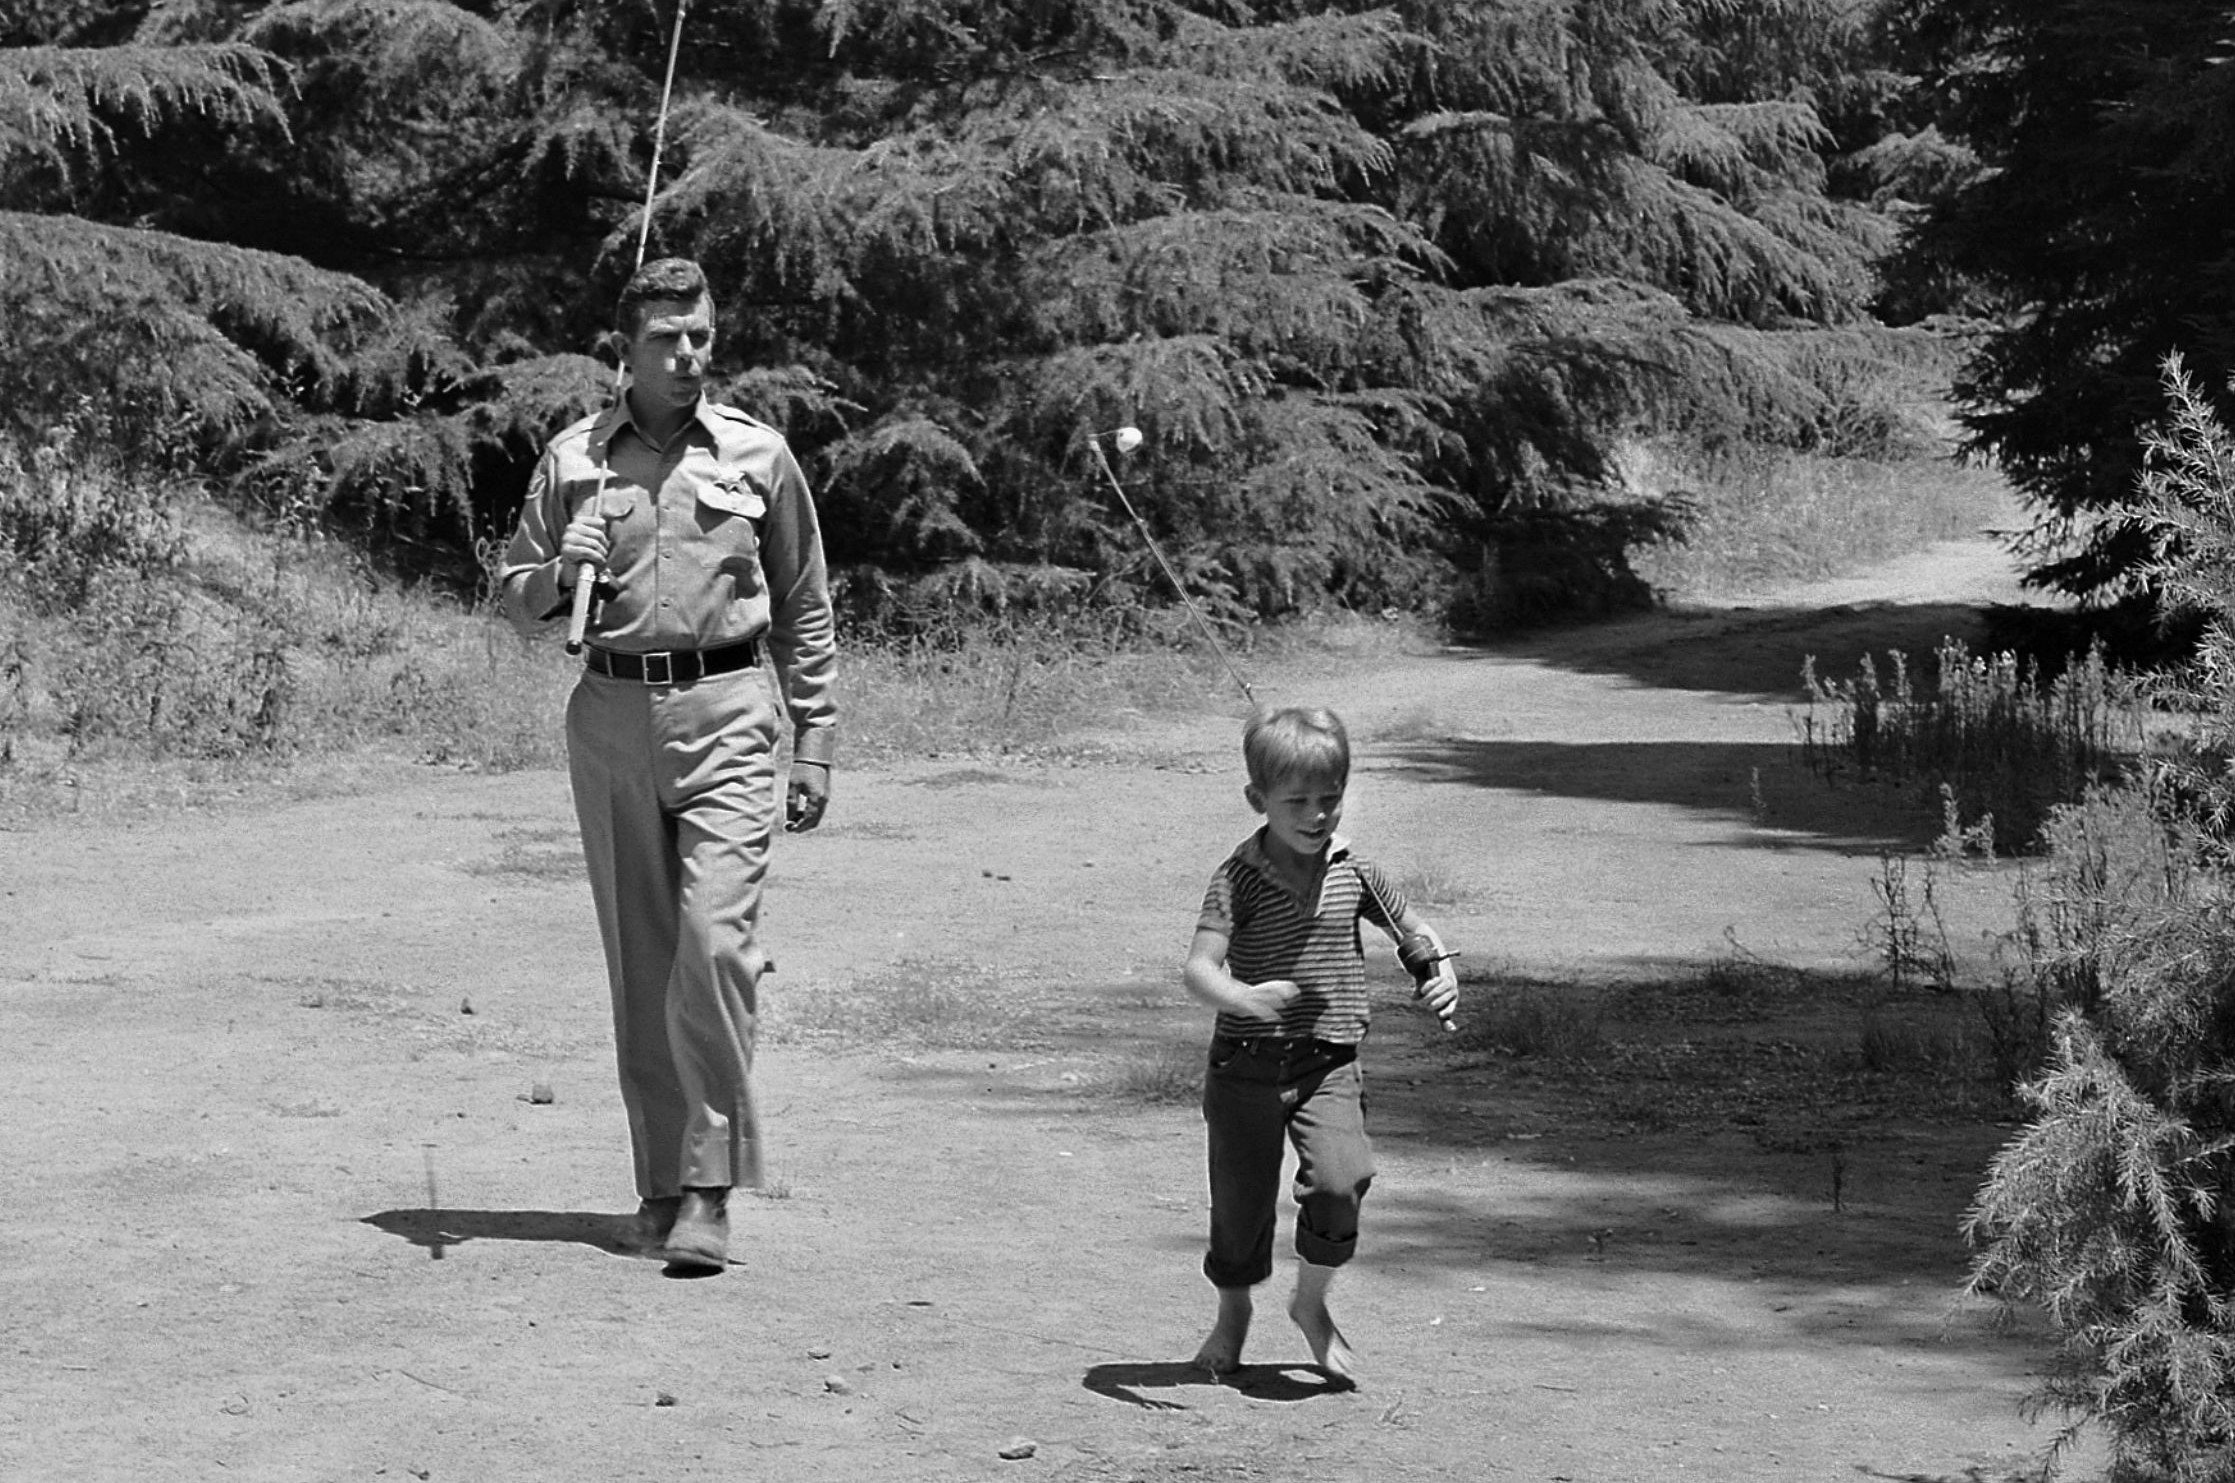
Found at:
<point>1422,957</point>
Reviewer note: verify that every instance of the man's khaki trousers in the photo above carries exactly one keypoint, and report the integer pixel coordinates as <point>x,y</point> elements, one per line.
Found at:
<point>675,789</point>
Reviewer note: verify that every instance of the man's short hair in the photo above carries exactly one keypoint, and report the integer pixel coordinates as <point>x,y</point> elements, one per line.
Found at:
<point>662,280</point>
<point>1295,741</point>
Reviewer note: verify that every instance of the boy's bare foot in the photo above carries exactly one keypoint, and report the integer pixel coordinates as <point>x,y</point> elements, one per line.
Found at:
<point>1221,1353</point>
<point>1330,1351</point>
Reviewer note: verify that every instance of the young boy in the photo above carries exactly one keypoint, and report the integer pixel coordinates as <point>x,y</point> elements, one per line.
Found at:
<point>1277,954</point>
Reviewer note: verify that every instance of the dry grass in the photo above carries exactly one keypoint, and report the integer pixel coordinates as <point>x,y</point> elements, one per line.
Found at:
<point>927,1004</point>
<point>1801,1060</point>
<point>1768,517</point>
<point>1553,1022</point>
<point>1164,1075</point>
<point>1432,883</point>
<point>1012,687</point>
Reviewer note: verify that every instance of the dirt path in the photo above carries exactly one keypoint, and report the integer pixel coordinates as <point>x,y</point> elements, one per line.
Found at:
<point>280,1205</point>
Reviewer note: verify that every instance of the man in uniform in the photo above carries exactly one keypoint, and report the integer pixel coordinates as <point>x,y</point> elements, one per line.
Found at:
<point>700,524</point>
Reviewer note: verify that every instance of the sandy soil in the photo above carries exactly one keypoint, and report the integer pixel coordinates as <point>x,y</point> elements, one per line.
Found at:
<point>283,1203</point>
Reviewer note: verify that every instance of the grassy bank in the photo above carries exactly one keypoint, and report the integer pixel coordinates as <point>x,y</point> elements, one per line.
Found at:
<point>225,659</point>
<point>157,649</point>
<point>1765,517</point>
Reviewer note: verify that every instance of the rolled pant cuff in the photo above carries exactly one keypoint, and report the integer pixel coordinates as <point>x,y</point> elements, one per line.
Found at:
<point>1249,1276</point>
<point>1321,1252</point>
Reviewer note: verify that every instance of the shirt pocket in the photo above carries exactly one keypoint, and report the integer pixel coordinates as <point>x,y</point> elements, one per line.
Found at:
<point>729,510</point>
<point>731,494</point>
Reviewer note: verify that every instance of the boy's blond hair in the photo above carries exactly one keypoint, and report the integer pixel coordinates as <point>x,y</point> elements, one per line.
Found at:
<point>1295,741</point>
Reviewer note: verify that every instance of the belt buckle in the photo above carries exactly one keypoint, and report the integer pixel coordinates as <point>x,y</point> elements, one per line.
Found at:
<point>666,671</point>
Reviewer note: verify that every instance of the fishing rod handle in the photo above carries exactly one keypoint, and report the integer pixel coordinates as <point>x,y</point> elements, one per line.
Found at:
<point>578,621</point>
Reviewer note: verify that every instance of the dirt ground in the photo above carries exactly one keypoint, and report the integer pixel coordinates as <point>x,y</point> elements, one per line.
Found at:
<point>284,1199</point>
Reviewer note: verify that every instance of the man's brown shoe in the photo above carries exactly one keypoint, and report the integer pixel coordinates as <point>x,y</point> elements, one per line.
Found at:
<point>699,1239</point>
<point>655,1217</point>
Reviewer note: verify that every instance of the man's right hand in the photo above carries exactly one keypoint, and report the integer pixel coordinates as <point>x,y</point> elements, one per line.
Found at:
<point>582,541</point>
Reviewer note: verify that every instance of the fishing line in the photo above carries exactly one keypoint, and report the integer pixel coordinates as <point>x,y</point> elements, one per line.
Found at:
<point>585,575</point>
<point>1129,438</point>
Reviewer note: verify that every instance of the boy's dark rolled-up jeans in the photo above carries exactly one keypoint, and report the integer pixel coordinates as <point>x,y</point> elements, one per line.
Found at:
<point>1257,1093</point>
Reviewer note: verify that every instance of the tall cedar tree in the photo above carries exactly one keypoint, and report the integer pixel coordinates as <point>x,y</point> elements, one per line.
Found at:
<point>1382,285</point>
<point>2095,228</point>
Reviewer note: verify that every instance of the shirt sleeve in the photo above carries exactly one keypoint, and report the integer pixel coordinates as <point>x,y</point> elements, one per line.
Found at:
<point>530,576</point>
<point>802,634</point>
<point>1380,902</point>
<point>1218,904</point>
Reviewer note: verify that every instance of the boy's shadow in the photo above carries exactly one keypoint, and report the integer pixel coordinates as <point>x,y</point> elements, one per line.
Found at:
<point>439,1230</point>
<point>1128,1382</point>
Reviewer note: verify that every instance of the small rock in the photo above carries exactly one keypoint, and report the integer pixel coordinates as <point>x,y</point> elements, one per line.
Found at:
<point>820,1351</point>
<point>1018,1448</point>
<point>541,1094</point>
<point>662,1398</point>
<point>465,1006</point>
<point>312,1001</point>
<point>838,1385</point>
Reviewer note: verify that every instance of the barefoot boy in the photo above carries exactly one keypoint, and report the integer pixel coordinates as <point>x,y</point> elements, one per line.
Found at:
<point>1277,954</point>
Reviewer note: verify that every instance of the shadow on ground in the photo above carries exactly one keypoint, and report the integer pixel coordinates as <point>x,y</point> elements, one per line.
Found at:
<point>1139,1384</point>
<point>1751,651</point>
<point>439,1230</point>
<point>1719,1129</point>
<point>1765,784</point>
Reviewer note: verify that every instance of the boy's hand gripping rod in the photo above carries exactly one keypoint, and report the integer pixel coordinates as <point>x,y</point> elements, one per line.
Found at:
<point>585,575</point>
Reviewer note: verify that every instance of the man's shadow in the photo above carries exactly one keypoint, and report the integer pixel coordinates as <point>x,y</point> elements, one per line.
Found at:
<point>439,1230</point>
<point>1131,1382</point>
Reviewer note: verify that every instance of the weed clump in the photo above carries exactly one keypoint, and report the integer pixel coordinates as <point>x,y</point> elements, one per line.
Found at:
<point>1987,734</point>
<point>1550,1022</point>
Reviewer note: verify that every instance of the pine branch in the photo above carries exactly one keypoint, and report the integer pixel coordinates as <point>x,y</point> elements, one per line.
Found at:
<point>162,326</point>
<point>1290,276</point>
<point>57,102</point>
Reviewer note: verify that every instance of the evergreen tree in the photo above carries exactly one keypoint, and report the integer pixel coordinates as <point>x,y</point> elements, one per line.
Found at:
<point>2110,1209</point>
<point>2095,227</point>
<point>1373,282</point>
<point>1383,286</point>
<point>148,333</point>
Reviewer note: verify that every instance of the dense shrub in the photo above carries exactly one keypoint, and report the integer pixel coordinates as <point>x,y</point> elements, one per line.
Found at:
<point>2112,1210</point>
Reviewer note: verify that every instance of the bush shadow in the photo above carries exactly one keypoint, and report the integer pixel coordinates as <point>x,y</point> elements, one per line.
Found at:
<point>1749,651</point>
<point>1762,783</point>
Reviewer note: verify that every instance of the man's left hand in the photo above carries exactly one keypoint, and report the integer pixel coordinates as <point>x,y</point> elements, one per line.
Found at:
<point>806,797</point>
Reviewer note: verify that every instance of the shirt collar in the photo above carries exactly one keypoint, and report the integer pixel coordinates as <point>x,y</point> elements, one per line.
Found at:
<point>616,416</point>
<point>1251,851</point>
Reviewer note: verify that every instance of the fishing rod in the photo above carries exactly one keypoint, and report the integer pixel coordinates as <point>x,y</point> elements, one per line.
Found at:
<point>585,575</point>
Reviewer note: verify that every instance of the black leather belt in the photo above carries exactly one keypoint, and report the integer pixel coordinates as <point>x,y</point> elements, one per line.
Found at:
<point>673,666</point>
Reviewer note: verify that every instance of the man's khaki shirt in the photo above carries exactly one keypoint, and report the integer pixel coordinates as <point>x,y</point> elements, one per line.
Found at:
<point>713,540</point>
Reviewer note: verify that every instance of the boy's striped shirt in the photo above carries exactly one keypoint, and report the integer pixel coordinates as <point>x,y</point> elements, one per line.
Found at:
<point>1270,934</point>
